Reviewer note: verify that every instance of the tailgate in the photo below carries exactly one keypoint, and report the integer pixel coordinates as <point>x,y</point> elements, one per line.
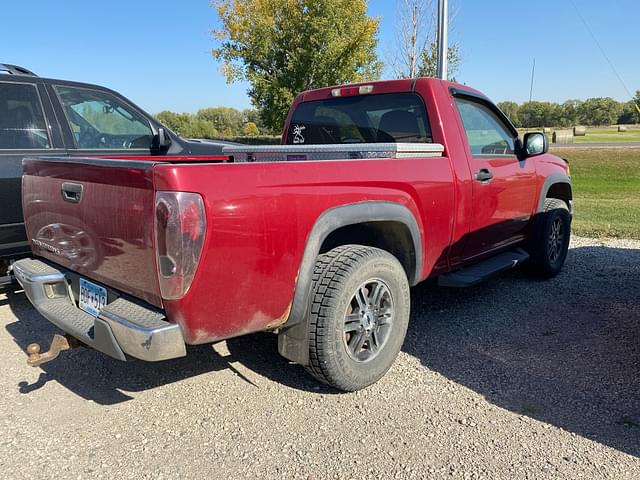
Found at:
<point>95,217</point>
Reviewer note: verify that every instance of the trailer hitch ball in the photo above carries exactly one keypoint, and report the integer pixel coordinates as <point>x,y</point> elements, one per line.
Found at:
<point>59,343</point>
<point>33,349</point>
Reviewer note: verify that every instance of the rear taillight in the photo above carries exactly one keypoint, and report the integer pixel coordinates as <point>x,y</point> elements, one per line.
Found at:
<point>180,229</point>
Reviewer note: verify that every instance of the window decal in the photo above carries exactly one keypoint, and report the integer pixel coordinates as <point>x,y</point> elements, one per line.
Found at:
<point>297,133</point>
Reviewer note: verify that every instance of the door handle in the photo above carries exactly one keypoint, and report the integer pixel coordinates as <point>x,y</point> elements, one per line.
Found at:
<point>483,175</point>
<point>72,192</point>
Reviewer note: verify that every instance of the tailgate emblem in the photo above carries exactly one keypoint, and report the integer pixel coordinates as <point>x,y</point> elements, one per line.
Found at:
<point>72,192</point>
<point>46,246</point>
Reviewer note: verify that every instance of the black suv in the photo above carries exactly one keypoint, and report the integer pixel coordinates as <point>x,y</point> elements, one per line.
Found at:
<point>40,116</point>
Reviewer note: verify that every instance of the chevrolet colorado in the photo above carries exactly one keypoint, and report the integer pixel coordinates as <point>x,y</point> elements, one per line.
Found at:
<point>377,187</point>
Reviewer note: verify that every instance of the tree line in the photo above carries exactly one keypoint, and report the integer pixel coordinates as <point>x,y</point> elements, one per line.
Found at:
<point>215,122</point>
<point>593,112</point>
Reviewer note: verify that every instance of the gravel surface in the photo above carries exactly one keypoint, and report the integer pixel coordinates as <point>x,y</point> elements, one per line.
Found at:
<point>512,379</point>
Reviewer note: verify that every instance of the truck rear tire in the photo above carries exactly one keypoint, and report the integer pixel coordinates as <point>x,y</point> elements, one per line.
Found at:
<point>359,313</point>
<point>550,240</point>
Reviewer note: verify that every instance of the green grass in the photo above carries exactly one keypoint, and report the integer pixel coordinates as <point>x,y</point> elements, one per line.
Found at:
<point>609,135</point>
<point>606,185</point>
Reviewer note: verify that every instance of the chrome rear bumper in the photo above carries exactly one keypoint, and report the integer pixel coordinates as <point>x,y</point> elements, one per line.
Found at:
<point>122,327</point>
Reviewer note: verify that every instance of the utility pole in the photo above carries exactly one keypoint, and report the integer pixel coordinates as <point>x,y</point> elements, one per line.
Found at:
<point>443,42</point>
<point>533,75</point>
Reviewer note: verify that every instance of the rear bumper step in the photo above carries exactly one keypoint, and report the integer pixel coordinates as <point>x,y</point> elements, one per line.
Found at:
<point>121,328</point>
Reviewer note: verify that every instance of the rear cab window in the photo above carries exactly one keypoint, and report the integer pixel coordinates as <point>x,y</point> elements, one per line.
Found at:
<point>386,118</point>
<point>22,121</point>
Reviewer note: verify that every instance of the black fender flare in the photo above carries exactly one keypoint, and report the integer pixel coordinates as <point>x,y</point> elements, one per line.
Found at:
<point>549,182</point>
<point>293,337</point>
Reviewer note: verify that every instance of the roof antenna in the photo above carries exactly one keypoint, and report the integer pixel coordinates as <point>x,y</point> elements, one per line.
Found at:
<point>533,74</point>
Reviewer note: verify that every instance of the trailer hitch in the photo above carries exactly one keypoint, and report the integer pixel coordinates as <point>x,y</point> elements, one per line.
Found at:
<point>59,343</point>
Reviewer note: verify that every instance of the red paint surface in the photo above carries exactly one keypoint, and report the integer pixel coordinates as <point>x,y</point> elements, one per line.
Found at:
<point>259,215</point>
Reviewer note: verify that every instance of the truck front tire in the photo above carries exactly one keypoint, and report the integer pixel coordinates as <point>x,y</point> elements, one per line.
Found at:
<point>550,240</point>
<point>358,316</point>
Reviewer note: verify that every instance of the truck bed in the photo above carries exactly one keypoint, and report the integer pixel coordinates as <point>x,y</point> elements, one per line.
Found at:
<point>258,220</point>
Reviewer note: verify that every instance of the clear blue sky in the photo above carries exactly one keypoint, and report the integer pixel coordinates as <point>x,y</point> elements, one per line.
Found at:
<point>158,52</point>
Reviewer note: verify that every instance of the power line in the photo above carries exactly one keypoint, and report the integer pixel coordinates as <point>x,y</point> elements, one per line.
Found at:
<point>604,54</point>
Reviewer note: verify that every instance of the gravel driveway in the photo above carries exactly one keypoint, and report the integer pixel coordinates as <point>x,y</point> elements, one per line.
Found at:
<point>512,379</point>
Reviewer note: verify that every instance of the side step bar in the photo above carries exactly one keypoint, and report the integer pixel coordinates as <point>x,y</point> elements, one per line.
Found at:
<point>478,273</point>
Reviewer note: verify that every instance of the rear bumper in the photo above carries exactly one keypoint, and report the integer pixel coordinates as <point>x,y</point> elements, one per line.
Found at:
<point>122,327</point>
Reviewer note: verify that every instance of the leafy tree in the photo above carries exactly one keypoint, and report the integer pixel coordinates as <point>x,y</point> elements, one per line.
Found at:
<point>511,110</point>
<point>599,111</point>
<point>537,114</point>
<point>187,125</point>
<point>178,122</point>
<point>251,129</point>
<point>629,114</point>
<point>636,101</point>
<point>282,47</point>
<point>252,115</point>
<point>199,128</point>
<point>568,114</point>
<point>428,66</point>
<point>222,118</point>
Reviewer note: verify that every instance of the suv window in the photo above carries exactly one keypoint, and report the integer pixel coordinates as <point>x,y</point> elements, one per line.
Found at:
<point>101,120</point>
<point>486,133</point>
<point>22,124</point>
<point>388,118</point>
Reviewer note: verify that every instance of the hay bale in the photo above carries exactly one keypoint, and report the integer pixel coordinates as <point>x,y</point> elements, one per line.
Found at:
<point>579,131</point>
<point>622,128</point>
<point>563,136</point>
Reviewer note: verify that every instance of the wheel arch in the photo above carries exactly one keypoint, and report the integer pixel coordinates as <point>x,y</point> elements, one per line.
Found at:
<point>556,185</point>
<point>387,221</point>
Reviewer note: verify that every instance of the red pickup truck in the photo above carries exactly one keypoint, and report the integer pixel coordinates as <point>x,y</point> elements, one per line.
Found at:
<point>376,188</point>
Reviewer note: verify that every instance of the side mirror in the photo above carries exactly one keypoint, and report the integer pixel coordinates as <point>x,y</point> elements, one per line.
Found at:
<point>161,140</point>
<point>535,143</point>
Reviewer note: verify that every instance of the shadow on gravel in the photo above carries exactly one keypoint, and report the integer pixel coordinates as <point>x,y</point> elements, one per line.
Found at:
<point>106,381</point>
<point>565,352</point>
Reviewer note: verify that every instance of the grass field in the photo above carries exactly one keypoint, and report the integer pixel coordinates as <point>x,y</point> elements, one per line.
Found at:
<point>609,135</point>
<point>606,184</point>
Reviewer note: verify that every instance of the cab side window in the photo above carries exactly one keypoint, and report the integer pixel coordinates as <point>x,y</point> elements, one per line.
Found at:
<point>22,124</point>
<point>102,121</point>
<point>486,133</point>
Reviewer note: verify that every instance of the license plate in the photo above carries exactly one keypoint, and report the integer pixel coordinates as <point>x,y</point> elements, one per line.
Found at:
<point>93,297</point>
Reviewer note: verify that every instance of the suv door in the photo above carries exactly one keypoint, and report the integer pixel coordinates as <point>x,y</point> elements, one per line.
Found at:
<point>24,130</point>
<point>504,187</point>
<point>100,123</point>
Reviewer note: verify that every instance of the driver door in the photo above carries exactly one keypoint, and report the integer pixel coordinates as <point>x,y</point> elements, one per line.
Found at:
<point>100,123</point>
<point>504,187</point>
